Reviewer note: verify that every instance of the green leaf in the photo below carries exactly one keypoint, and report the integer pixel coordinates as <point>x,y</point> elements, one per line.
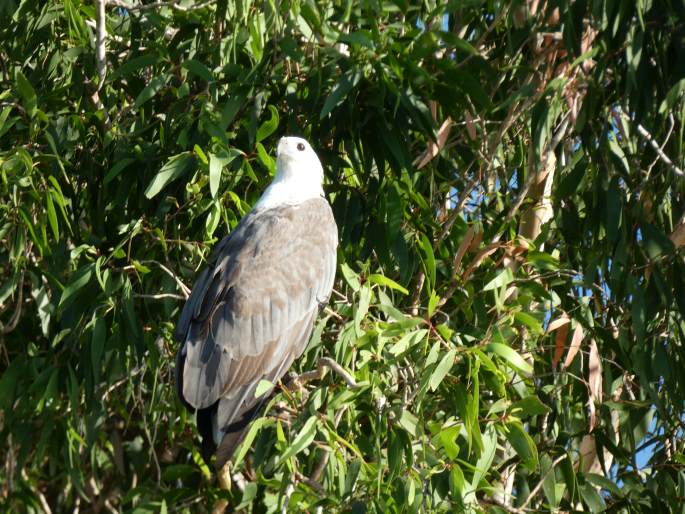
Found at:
<point>503,279</point>
<point>358,38</point>
<point>618,154</point>
<point>52,215</point>
<point>269,126</point>
<point>5,125</point>
<point>523,444</point>
<point>549,483</point>
<point>385,281</point>
<point>174,168</point>
<point>198,69</point>
<point>350,276</point>
<point>255,428</point>
<point>213,219</point>
<point>591,498</point>
<point>457,482</point>
<point>340,91</point>
<point>256,29</point>
<point>215,169</point>
<point>447,437</point>
<point>28,94</point>
<point>409,422</point>
<point>230,110</point>
<point>604,483</point>
<point>117,168</point>
<point>544,117</point>
<point>484,462</point>
<point>150,90</point>
<point>638,311</point>
<point>442,369</point>
<point>97,346</point>
<point>433,302</point>
<point>511,356</point>
<point>529,406</point>
<point>407,341</point>
<point>672,97</point>
<point>530,321</point>
<point>133,65</point>
<point>265,159</point>
<point>655,241</point>
<point>303,439</point>
<point>8,382</point>
<point>79,280</point>
<point>395,454</point>
<point>428,259</point>
<point>362,306</point>
<point>263,387</point>
<point>177,471</point>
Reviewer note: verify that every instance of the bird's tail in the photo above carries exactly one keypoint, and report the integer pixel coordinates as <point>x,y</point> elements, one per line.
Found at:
<point>233,434</point>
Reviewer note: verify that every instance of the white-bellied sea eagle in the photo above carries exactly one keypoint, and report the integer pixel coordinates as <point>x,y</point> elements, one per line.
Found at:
<point>252,309</point>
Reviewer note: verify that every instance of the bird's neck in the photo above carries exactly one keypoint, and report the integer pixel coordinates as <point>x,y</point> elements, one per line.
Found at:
<point>288,190</point>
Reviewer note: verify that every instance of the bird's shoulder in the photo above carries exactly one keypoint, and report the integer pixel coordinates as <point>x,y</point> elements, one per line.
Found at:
<point>281,229</point>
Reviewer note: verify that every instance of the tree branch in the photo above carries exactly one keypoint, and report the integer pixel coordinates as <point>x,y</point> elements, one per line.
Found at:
<point>644,133</point>
<point>542,481</point>
<point>317,374</point>
<point>160,296</point>
<point>184,288</point>
<point>658,149</point>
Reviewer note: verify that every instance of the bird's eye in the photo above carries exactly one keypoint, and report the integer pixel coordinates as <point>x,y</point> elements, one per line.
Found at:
<point>300,147</point>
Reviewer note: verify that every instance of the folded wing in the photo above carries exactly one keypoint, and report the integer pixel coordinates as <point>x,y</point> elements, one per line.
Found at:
<point>252,310</point>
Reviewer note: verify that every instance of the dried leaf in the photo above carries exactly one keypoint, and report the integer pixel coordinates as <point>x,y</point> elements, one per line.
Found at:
<point>463,247</point>
<point>470,126</point>
<point>588,455</point>
<point>434,147</point>
<point>561,324</point>
<point>575,345</point>
<point>488,250</point>
<point>594,382</point>
<point>558,323</point>
<point>678,234</point>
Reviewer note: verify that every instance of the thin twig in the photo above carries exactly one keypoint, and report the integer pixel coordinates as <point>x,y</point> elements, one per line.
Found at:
<point>502,505</point>
<point>43,502</point>
<point>160,296</point>
<point>663,145</point>
<point>340,295</point>
<point>542,481</point>
<point>644,133</point>
<point>121,381</point>
<point>324,364</point>
<point>288,493</point>
<point>333,314</point>
<point>416,297</point>
<point>184,288</point>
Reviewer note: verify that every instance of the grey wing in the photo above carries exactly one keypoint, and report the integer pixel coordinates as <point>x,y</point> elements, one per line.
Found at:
<point>255,307</point>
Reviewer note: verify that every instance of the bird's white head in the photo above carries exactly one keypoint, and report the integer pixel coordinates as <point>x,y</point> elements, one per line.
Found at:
<point>299,175</point>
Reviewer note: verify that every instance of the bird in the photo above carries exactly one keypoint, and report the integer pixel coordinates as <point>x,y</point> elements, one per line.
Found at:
<point>252,309</point>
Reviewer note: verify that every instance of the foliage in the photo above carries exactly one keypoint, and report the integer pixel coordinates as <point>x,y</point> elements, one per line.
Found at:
<point>511,288</point>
